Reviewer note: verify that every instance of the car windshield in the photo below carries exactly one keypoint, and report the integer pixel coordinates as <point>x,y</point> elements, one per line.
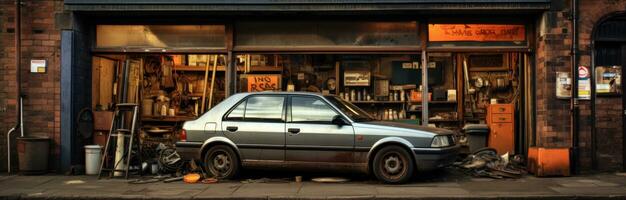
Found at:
<point>354,112</point>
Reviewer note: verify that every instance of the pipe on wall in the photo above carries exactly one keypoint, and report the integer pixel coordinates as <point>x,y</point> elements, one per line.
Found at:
<point>574,106</point>
<point>18,80</point>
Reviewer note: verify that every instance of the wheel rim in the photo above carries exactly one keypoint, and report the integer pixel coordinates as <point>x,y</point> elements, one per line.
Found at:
<point>220,163</point>
<point>393,165</point>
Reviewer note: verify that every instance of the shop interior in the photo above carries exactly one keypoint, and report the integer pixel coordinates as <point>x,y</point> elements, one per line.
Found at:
<point>463,88</point>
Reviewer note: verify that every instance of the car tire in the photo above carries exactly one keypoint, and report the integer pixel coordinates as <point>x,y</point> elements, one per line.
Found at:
<point>393,164</point>
<point>221,162</point>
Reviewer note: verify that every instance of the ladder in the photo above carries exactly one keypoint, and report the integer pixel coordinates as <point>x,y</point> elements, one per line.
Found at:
<point>121,150</point>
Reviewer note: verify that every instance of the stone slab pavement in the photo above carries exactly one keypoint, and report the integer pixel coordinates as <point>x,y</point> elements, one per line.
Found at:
<point>597,186</point>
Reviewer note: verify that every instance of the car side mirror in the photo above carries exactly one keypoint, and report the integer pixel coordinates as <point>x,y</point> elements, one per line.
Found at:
<point>339,121</point>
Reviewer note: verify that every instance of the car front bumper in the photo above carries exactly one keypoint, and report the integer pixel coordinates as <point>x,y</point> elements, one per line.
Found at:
<point>432,158</point>
<point>189,150</point>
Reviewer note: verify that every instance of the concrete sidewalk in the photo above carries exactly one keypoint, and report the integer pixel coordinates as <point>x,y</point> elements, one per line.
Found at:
<point>600,186</point>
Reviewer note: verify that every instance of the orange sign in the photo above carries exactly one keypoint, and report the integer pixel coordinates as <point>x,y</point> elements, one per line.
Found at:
<point>263,82</point>
<point>476,32</point>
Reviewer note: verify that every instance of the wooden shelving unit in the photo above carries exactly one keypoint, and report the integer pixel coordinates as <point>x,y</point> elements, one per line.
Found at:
<point>197,68</point>
<point>377,102</point>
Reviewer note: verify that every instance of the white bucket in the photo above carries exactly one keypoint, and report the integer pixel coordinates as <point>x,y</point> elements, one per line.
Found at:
<point>92,159</point>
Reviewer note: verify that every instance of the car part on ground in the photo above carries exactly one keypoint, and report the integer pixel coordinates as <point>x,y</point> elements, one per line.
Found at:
<point>485,162</point>
<point>330,180</point>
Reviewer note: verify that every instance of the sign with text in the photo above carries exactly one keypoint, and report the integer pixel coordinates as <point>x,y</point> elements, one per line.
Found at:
<point>476,32</point>
<point>263,82</point>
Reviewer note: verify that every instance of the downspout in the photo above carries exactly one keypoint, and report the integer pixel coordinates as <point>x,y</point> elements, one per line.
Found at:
<point>574,99</point>
<point>594,161</point>
<point>18,80</point>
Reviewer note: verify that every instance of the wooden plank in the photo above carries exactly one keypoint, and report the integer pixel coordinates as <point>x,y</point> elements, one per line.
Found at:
<point>206,76</point>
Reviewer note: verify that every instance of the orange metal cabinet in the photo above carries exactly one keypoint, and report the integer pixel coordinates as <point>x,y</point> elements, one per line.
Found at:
<point>549,161</point>
<point>500,119</point>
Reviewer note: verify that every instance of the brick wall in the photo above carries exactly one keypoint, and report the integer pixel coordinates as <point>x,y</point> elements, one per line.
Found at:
<point>608,109</point>
<point>553,116</point>
<point>40,40</point>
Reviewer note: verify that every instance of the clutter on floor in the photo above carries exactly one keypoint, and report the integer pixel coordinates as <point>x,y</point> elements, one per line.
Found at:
<point>487,163</point>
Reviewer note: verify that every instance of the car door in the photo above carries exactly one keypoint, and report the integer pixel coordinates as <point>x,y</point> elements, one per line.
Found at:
<point>257,126</point>
<point>311,137</point>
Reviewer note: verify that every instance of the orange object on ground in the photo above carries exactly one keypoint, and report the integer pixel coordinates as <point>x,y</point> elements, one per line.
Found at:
<point>549,161</point>
<point>191,178</point>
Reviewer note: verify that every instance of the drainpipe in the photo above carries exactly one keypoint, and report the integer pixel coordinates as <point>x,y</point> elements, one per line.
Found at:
<point>18,80</point>
<point>574,100</point>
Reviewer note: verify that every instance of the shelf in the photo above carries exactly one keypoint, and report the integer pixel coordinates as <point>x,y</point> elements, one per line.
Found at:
<point>197,68</point>
<point>435,102</point>
<point>223,68</point>
<point>262,69</point>
<point>218,93</point>
<point>376,102</point>
<point>443,120</point>
<point>167,118</point>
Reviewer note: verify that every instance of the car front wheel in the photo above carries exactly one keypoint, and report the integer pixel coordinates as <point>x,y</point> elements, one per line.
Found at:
<point>221,162</point>
<point>393,164</point>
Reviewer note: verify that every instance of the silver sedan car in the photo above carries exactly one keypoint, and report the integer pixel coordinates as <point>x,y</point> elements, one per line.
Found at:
<point>307,130</point>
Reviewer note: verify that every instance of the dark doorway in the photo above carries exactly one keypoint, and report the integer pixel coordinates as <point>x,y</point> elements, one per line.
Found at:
<point>610,58</point>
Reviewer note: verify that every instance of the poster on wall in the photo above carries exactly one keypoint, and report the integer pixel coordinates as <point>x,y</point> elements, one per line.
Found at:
<point>564,84</point>
<point>608,80</point>
<point>356,78</point>
<point>584,83</point>
<point>262,82</point>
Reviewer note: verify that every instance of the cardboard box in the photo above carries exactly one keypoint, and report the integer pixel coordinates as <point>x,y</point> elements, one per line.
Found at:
<point>416,96</point>
<point>102,120</point>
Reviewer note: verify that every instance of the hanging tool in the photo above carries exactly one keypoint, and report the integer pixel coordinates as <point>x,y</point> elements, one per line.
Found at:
<point>212,82</point>
<point>125,151</point>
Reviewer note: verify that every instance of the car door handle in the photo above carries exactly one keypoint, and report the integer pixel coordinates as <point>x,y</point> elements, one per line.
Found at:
<point>231,128</point>
<point>294,130</point>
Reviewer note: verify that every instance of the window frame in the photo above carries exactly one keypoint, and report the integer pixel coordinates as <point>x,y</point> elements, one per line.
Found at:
<point>290,110</point>
<point>245,100</point>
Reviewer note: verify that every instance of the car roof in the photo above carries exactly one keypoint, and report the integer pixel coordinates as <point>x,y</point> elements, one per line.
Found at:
<point>285,93</point>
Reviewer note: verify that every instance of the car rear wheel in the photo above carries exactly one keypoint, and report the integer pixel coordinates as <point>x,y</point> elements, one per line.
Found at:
<point>221,162</point>
<point>393,164</point>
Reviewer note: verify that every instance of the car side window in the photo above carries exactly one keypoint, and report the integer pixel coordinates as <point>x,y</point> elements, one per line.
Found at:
<point>264,108</point>
<point>237,113</point>
<point>311,110</point>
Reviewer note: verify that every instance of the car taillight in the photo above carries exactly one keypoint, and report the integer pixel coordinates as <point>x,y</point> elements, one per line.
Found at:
<point>183,135</point>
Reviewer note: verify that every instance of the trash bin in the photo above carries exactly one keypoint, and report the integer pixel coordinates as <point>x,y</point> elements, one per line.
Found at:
<point>476,136</point>
<point>32,154</point>
<point>93,158</point>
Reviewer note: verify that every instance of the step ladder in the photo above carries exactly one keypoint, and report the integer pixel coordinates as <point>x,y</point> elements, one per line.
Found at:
<point>118,159</point>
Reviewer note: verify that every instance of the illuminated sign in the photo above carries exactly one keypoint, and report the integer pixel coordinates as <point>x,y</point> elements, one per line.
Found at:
<point>476,32</point>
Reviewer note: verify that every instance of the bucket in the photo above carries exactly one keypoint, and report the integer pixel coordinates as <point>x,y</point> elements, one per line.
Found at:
<point>32,154</point>
<point>93,158</point>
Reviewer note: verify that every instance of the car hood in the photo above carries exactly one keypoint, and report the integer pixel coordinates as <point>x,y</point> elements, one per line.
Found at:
<point>438,131</point>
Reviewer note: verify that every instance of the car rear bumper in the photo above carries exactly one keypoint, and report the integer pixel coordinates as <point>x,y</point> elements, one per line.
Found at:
<point>189,150</point>
<point>432,158</point>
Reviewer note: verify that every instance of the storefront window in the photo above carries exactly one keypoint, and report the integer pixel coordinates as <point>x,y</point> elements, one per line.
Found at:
<point>608,79</point>
<point>160,36</point>
<point>608,63</point>
<point>319,34</point>
<point>382,85</point>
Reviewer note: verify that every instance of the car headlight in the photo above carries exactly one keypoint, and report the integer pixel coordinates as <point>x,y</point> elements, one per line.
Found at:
<point>440,141</point>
